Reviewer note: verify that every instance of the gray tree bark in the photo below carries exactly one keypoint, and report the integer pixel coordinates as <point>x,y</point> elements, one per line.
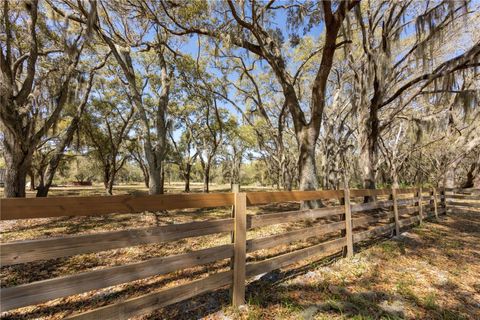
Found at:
<point>18,161</point>
<point>154,150</point>
<point>21,131</point>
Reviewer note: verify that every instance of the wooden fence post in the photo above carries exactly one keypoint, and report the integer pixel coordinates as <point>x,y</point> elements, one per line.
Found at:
<point>395,211</point>
<point>420,205</point>
<point>235,190</point>
<point>240,249</point>
<point>435,208</point>
<point>443,201</point>
<point>348,222</point>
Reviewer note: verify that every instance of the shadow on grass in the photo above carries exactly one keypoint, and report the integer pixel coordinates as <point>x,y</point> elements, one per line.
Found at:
<point>66,307</point>
<point>272,288</point>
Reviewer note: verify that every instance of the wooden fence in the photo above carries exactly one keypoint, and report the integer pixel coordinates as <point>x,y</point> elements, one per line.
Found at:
<point>390,211</point>
<point>462,199</point>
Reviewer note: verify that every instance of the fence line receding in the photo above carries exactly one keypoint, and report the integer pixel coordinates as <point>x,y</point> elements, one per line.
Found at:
<point>390,211</point>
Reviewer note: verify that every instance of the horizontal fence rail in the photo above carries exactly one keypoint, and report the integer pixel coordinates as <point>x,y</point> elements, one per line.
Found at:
<point>32,250</point>
<point>334,228</point>
<point>256,198</point>
<point>50,289</point>
<point>21,208</point>
<point>462,199</point>
<point>257,221</point>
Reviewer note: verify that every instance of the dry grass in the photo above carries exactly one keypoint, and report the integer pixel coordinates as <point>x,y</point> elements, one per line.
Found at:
<point>418,275</point>
<point>430,272</point>
<point>98,189</point>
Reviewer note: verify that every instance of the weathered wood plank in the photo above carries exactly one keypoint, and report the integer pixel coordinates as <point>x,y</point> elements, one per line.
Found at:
<point>255,198</point>
<point>240,250</point>
<point>462,204</point>
<point>32,250</point>
<point>358,222</point>
<point>255,221</point>
<point>373,232</point>
<point>409,221</point>
<point>406,202</point>
<point>408,210</point>
<point>26,208</point>
<point>286,259</point>
<point>292,236</point>
<point>420,204</point>
<point>461,210</point>
<point>463,191</point>
<point>369,192</point>
<point>435,204</point>
<point>395,211</point>
<point>155,300</point>
<point>371,205</point>
<point>407,190</point>
<point>464,196</point>
<point>348,222</point>
<point>45,290</point>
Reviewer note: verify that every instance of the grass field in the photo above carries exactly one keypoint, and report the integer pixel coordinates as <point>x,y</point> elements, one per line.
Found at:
<point>431,272</point>
<point>99,190</point>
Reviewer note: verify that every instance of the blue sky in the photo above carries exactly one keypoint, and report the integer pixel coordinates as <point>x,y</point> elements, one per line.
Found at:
<point>280,21</point>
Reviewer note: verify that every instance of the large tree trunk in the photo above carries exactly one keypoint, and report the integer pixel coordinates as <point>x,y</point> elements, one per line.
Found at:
<point>395,184</point>
<point>306,163</point>
<point>471,174</point>
<point>206,178</point>
<point>288,177</point>
<point>468,183</point>
<point>282,175</point>
<point>110,185</point>
<point>31,173</point>
<point>449,178</point>
<point>146,176</point>
<point>18,145</point>
<point>162,182</point>
<point>367,162</point>
<point>107,180</point>
<point>42,189</point>
<point>368,138</point>
<point>40,182</point>
<point>307,167</point>
<point>15,180</point>
<point>18,161</point>
<point>155,184</point>
<point>186,175</point>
